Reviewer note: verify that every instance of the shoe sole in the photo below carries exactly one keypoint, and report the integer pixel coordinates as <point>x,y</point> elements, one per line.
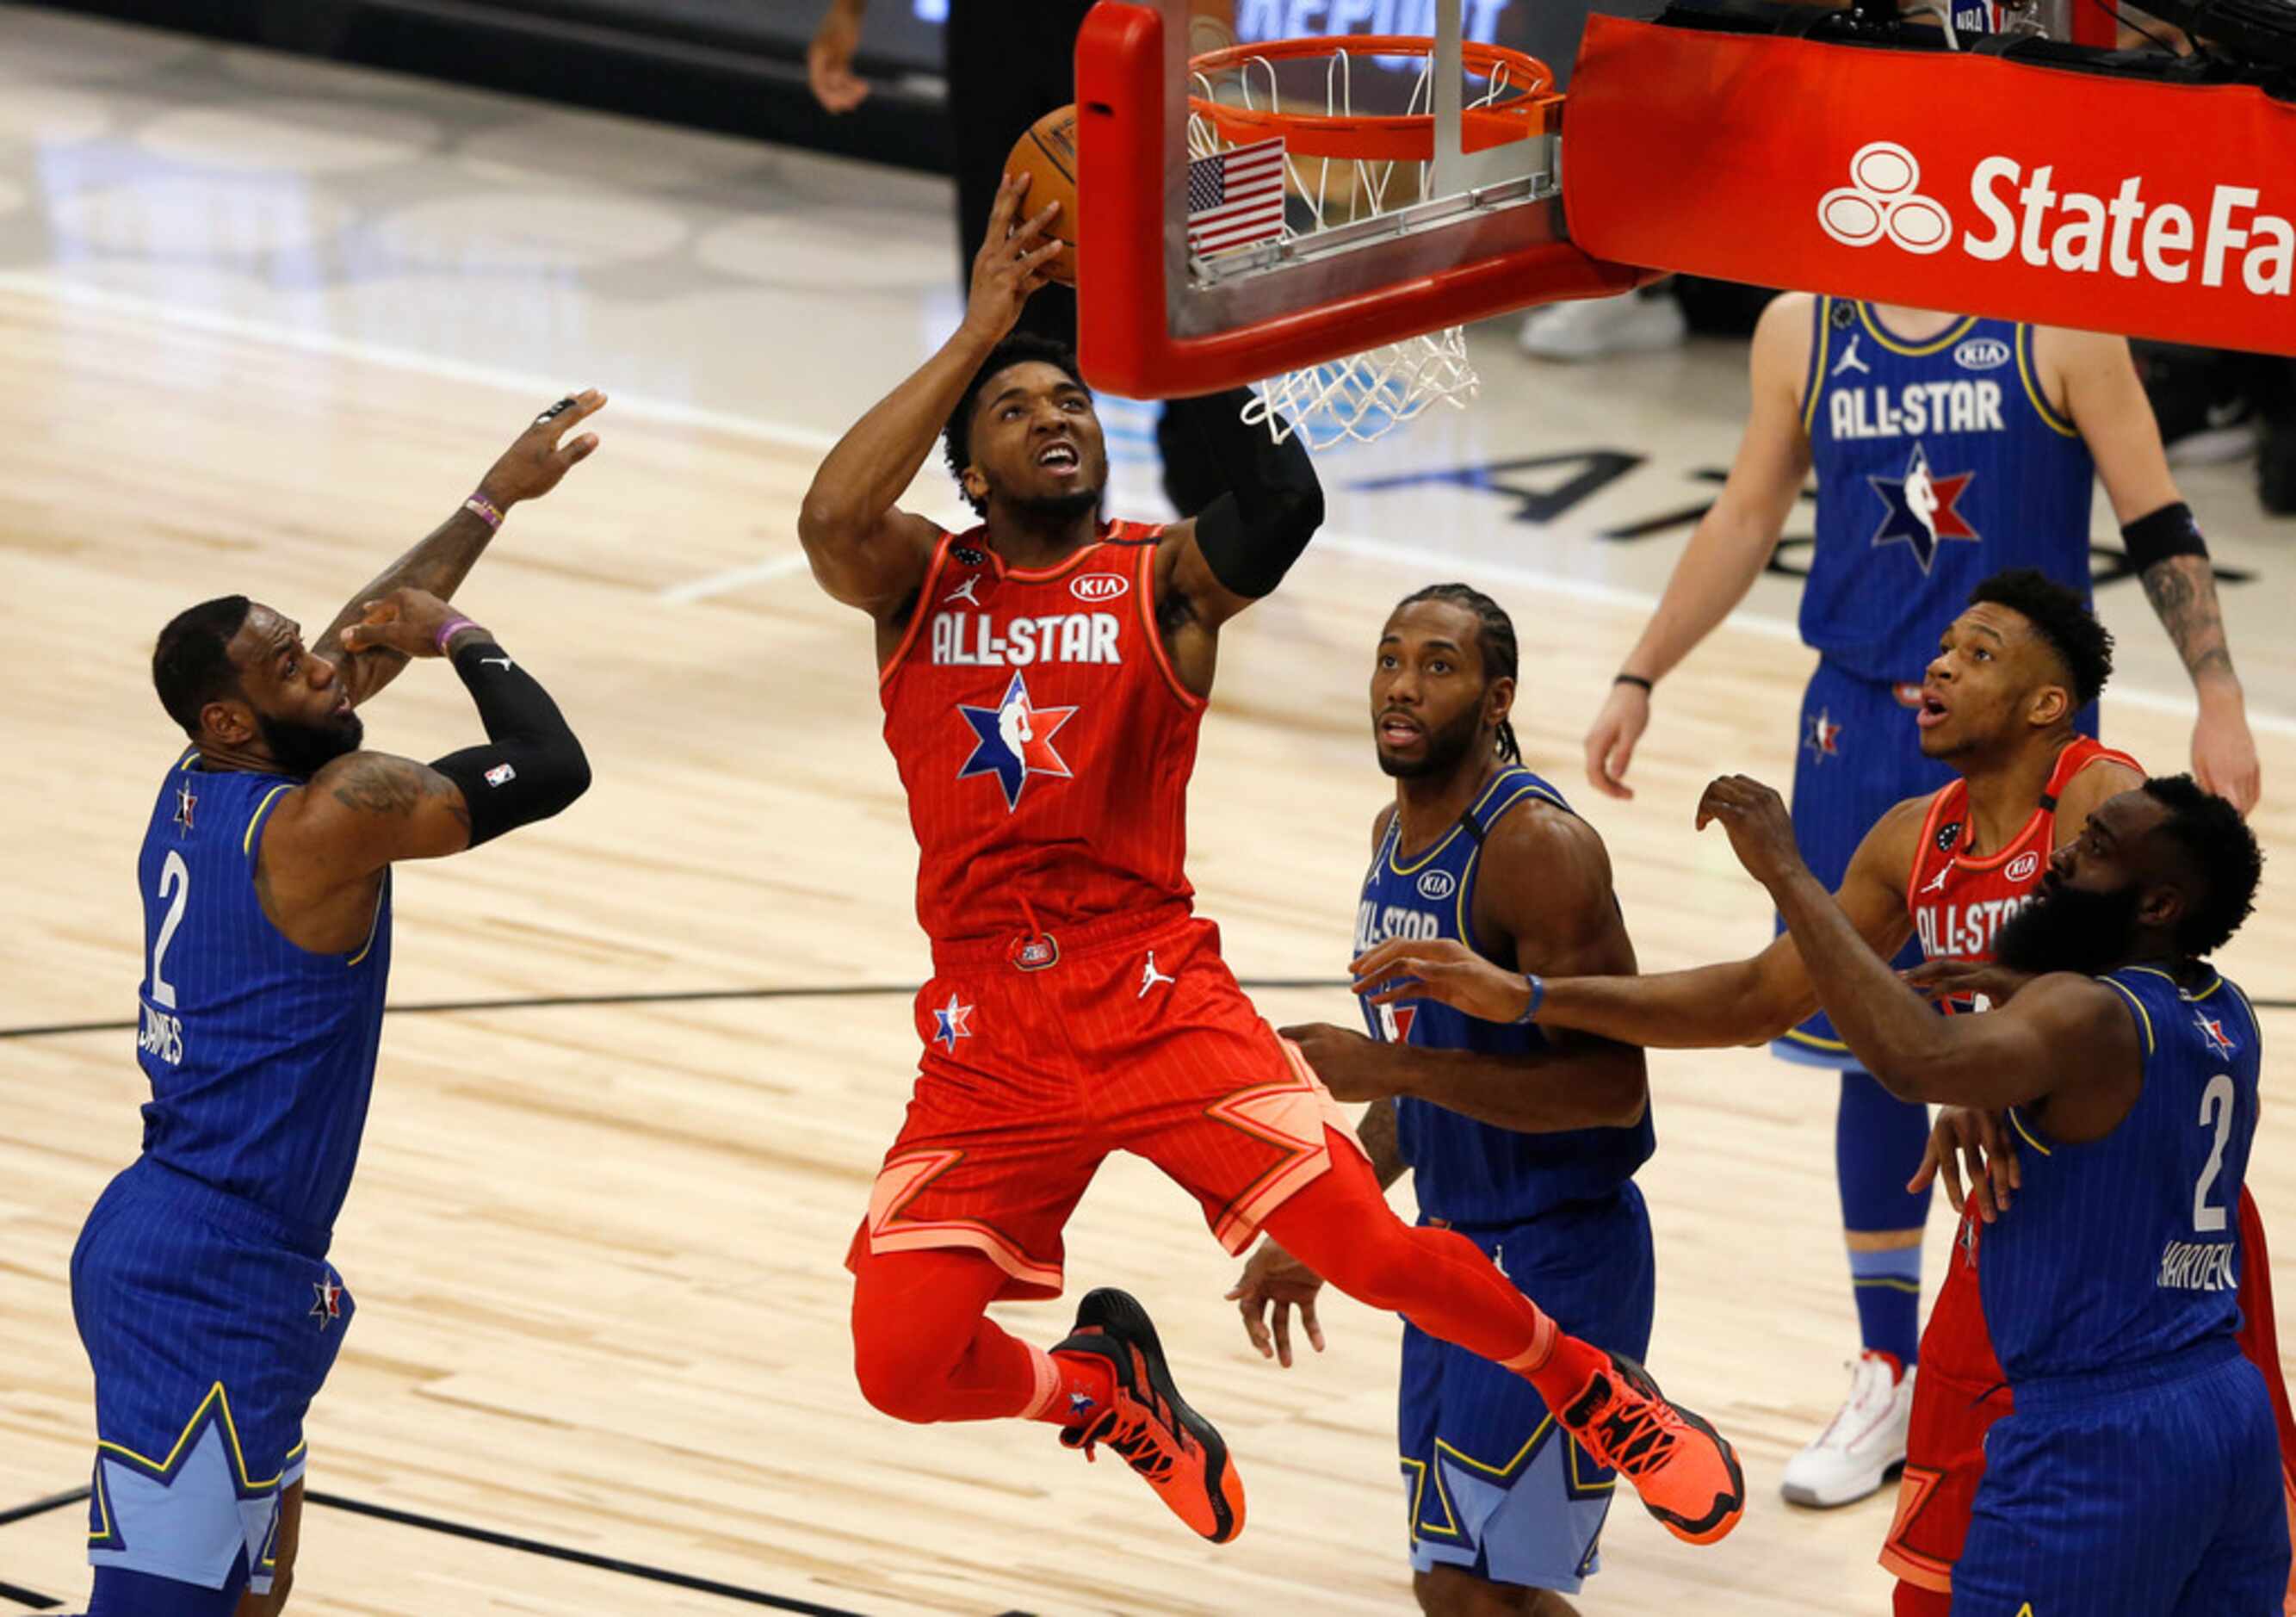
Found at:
<point>1810,1499</point>
<point>1121,1319</point>
<point>1728,1509</point>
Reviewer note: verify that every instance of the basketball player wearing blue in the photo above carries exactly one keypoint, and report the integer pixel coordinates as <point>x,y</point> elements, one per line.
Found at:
<point>2139,1471</point>
<point>1526,1142</point>
<point>201,1283</point>
<point>1946,449</point>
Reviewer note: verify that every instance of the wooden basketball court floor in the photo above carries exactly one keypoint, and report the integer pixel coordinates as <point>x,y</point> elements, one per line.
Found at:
<point>643,1059</point>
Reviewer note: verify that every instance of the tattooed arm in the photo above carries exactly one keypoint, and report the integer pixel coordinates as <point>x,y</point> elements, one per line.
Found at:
<point>2183,590</point>
<point>531,468</point>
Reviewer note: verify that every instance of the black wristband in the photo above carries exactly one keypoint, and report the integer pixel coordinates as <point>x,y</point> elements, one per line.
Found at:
<point>1635,679</point>
<point>2169,531</point>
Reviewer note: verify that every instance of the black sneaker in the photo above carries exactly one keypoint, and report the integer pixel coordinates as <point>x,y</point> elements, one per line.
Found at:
<point>1177,1451</point>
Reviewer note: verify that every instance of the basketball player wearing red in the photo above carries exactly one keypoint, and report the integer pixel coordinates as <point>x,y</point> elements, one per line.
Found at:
<point>1043,677</point>
<point>1952,869</point>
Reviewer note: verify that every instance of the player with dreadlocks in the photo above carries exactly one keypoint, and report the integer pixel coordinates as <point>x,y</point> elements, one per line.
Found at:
<point>1525,1142</point>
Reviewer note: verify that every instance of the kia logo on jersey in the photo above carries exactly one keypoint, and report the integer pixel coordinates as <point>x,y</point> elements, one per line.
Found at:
<point>1982,353</point>
<point>1438,884</point>
<point>1099,586</point>
<point>2021,867</point>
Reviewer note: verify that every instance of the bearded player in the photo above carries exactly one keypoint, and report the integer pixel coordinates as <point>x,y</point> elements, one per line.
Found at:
<point>2138,1473</point>
<point>1947,448</point>
<point>201,1283</point>
<point>1526,1141</point>
<point>1043,676</point>
<point>1950,869</point>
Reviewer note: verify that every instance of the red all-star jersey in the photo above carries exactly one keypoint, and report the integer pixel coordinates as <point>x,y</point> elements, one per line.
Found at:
<point>1961,901</point>
<point>1044,739</point>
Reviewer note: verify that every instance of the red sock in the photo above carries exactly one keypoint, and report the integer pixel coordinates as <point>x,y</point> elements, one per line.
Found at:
<point>1087,1385</point>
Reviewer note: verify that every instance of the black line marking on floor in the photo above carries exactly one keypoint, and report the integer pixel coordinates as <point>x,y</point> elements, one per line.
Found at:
<point>557,1552</point>
<point>40,1507</point>
<point>39,1603</point>
<point>904,990</point>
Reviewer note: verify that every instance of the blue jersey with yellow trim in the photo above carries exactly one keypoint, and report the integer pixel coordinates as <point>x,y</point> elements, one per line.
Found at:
<point>1467,1172</point>
<point>2124,1249</point>
<point>261,1054</point>
<point>1938,464</point>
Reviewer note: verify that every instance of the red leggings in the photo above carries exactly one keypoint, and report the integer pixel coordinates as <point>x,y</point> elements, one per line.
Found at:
<point>923,1349</point>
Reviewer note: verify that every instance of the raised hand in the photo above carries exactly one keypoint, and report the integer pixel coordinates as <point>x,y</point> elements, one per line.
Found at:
<point>1273,1279</point>
<point>1761,832</point>
<point>532,465</point>
<point>1963,1137</point>
<point>1010,263</point>
<point>406,621</point>
<point>1444,969</point>
<point>829,59</point>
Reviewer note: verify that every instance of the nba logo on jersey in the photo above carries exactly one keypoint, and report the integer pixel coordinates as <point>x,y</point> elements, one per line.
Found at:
<point>1918,507</point>
<point>1013,740</point>
<point>2213,1032</point>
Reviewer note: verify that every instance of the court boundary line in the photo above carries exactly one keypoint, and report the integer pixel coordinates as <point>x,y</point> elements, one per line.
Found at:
<point>849,990</point>
<point>37,284</point>
<point>479,1535</point>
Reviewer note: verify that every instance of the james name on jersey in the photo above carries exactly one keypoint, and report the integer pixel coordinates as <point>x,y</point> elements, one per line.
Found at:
<point>972,640</point>
<point>1960,404</point>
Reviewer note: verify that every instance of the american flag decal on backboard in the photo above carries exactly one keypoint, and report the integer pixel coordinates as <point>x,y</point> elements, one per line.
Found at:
<point>1236,197</point>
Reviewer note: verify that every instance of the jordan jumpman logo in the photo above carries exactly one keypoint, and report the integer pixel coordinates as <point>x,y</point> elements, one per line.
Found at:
<point>1150,976</point>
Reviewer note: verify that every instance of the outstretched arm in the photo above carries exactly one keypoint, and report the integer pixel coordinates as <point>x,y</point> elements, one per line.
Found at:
<point>864,550</point>
<point>1737,1002</point>
<point>531,468</point>
<point>1730,545</point>
<point>2105,400</point>
<point>2066,1039</point>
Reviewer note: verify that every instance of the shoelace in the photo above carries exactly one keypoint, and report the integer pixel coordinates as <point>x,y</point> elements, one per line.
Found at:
<point>1136,1440</point>
<point>1636,1436</point>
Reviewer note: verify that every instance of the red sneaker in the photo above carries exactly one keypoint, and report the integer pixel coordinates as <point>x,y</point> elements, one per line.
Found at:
<point>1176,1450</point>
<point>1686,1472</point>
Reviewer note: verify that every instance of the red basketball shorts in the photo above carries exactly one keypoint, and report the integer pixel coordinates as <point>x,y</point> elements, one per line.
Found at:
<point>1044,1055</point>
<point>1960,1394</point>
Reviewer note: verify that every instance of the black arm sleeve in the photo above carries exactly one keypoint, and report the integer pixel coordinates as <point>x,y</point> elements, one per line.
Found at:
<point>2169,531</point>
<point>1251,534</point>
<point>531,765</point>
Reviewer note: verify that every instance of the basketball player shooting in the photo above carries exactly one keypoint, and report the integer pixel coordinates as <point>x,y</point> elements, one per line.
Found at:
<point>1078,1006</point>
<point>201,1281</point>
<point>1523,1139</point>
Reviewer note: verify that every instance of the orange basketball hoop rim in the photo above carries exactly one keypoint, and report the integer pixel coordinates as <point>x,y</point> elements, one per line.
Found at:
<point>1400,138</point>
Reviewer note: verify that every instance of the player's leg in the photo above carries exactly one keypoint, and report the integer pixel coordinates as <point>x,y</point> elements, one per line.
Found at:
<point>1506,1510</point>
<point>2245,1566</point>
<point>287,1537</point>
<point>925,1350</point>
<point>1856,758</point>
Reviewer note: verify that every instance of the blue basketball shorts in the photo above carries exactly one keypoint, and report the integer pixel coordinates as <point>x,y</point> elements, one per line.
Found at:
<point>2154,1492</point>
<point>1491,1483</point>
<point>1858,755</point>
<point>210,1325</point>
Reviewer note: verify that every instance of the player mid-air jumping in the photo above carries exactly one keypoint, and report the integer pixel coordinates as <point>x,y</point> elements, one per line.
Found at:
<point>201,1283</point>
<point>1043,676</point>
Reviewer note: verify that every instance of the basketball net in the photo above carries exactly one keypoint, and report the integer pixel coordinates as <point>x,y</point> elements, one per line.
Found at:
<point>1363,396</point>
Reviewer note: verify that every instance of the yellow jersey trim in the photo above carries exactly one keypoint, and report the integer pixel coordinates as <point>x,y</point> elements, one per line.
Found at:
<point>221,1400</point>
<point>247,842</point>
<point>1917,350</point>
<point>1796,1036</point>
<point>2017,1123</point>
<point>2028,373</point>
<point>1488,792</point>
<point>1820,349</point>
<point>2143,1016</point>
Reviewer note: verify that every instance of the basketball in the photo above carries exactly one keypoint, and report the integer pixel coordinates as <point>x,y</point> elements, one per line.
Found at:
<point>1047,155</point>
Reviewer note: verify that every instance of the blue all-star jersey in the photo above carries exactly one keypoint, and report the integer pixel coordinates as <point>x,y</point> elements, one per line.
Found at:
<point>261,1054</point>
<point>1938,464</point>
<point>1464,1172</point>
<point>2125,1251</point>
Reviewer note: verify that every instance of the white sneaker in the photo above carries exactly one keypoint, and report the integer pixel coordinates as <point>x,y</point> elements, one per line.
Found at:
<point>1593,328</point>
<point>1864,1445</point>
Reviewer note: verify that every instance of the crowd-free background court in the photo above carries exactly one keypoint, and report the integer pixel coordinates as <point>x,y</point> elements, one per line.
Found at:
<point>263,322</point>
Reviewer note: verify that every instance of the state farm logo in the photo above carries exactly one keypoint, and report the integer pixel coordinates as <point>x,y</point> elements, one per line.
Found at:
<point>2229,239</point>
<point>1884,199</point>
<point>2023,866</point>
<point>1099,586</point>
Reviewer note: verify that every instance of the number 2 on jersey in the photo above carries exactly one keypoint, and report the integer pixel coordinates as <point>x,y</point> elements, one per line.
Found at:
<point>177,874</point>
<point>2216,1097</point>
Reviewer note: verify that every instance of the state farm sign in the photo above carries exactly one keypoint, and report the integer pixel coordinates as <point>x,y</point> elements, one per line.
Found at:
<point>2125,233</point>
